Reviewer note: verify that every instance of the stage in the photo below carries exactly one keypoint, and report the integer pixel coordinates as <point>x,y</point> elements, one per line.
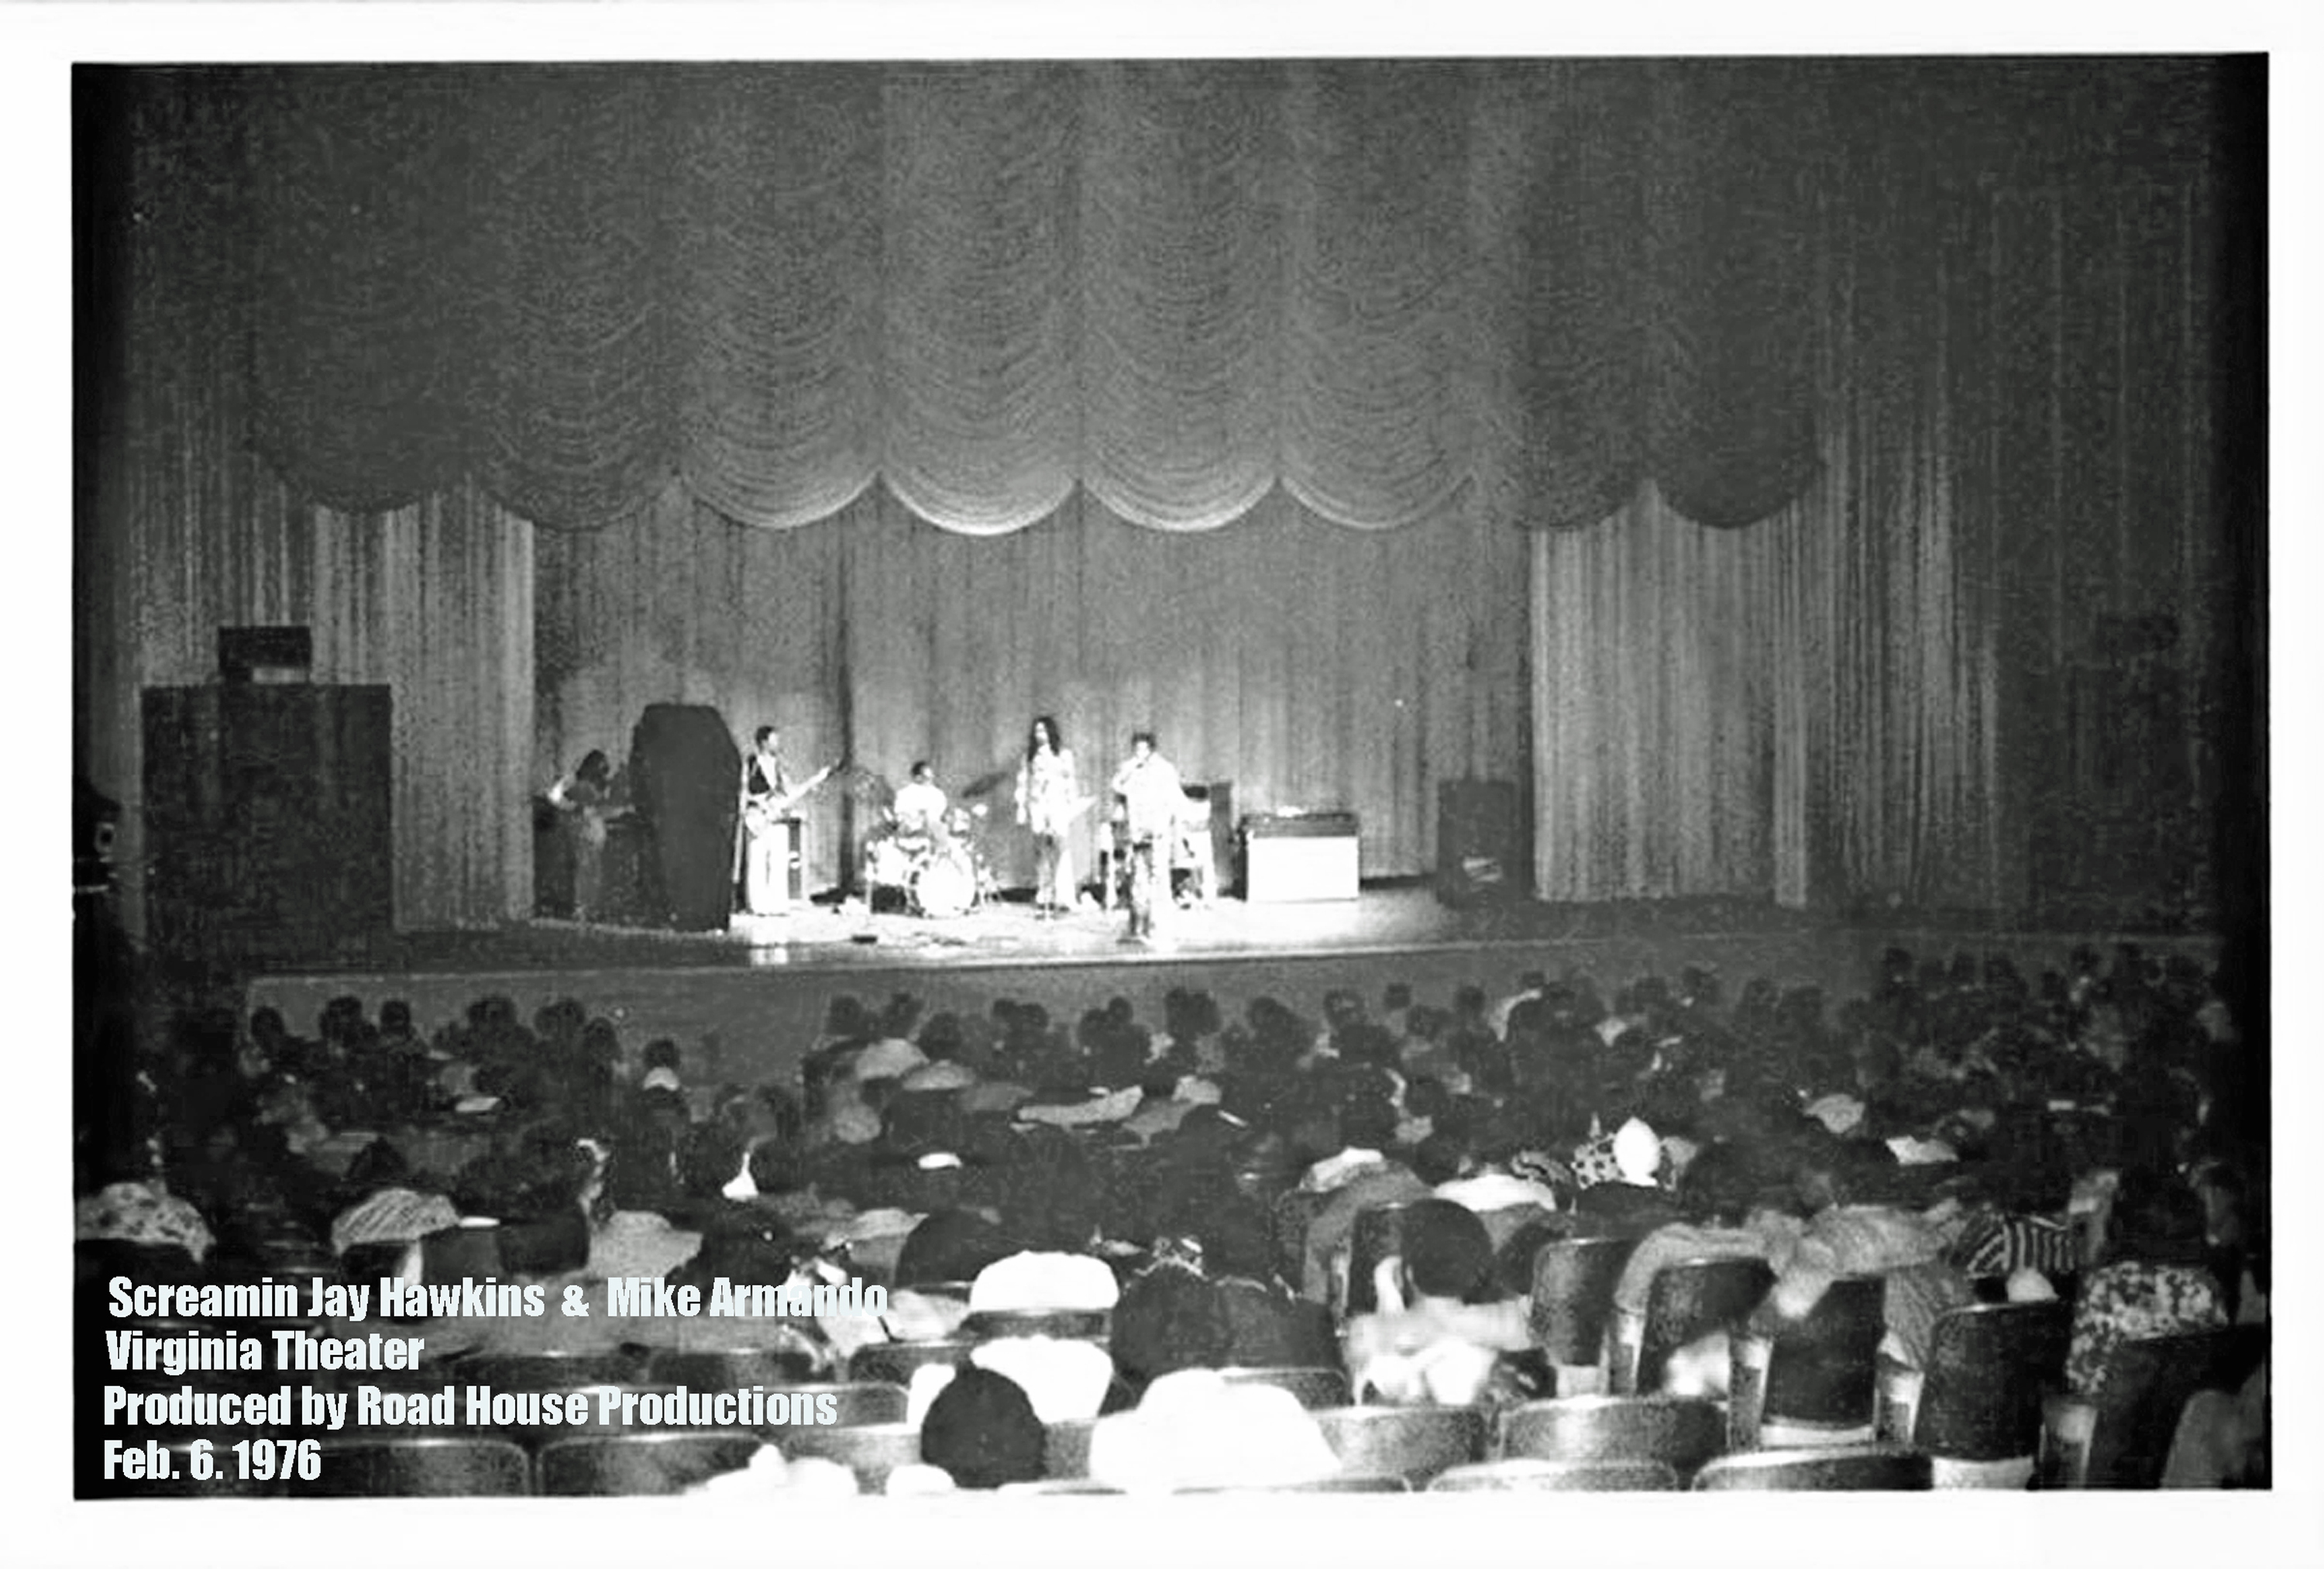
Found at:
<point>747,1003</point>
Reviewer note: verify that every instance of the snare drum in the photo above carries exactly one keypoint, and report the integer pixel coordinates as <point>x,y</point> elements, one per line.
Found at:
<point>945,884</point>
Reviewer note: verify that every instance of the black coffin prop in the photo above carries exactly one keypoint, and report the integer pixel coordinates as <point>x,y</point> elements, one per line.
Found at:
<point>686,781</point>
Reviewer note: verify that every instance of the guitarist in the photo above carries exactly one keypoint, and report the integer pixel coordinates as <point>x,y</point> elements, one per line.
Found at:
<point>768,798</point>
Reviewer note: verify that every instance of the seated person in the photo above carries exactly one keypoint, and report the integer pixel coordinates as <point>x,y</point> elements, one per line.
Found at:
<point>2153,1282</point>
<point>1633,1203</point>
<point>920,808</point>
<point>1719,1196</point>
<point>980,1433</point>
<point>1846,1238</point>
<point>1444,1348</point>
<point>1192,1428</point>
<point>1358,1178</point>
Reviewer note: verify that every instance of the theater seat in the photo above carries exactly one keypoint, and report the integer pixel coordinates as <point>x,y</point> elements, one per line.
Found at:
<point>1317,1388</point>
<point>1978,1404</point>
<point>542,1371</point>
<point>1679,1433</point>
<point>641,1464</point>
<point>1560,1476</point>
<point>871,1451</point>
<point>896,1361</point>
<point>425,1467</point>
<point>1353,1481</point>
<point>1057,1324</point>
<point>856,1404</point>
<point>730,1369</point>
<point>1573,1297</point>
<point>1842,1468</point>
<point>225,1480</point>
<point>2121,1440</point>
<point>1686,1301</point>
<point>1414,1442</point>
<point>1378,1235</point>
<point>1814,1378</point>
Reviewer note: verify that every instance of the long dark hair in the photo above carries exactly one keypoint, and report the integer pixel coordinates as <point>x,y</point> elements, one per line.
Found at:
<point>1032,737</point>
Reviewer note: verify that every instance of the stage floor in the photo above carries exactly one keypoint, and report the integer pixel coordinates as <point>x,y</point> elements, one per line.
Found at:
<point>748,1002</point>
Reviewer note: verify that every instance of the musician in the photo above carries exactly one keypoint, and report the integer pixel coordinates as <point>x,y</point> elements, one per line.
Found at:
<point>768,796</point>
<point>920,808</point>
<point>583,801</point>
<point>1047,801</point>
<point>1153,800</point>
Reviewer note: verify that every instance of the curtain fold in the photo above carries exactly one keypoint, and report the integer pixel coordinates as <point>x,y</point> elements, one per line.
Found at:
<point>1175,286</point>
<point>574,398</point>
<point>1397,663</point>
<point>779,289</point>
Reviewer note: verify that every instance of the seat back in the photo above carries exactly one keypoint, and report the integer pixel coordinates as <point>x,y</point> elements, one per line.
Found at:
<point>2146,1386</point>
<point>641,1464</point>
<point>426,1467</point>
<point>1367,1481</point>
<point>1693,1298</point>
<point>1057,1323</point>
<point>1293,1212</point>
<point>865,1405</point>
<point>225,1478</point>
<point>1573,1296</point>
<point>1560,1476</point>
<point>603,1419</point>
<point>1682,1434</point>
<point>516,1372</point>
<point>731,1369</point>
<point>1066,1447</point>
<point>1823,1366</point>
<point>1378,1235</point>
<point>1845,1468</point>
<point>1414,1442</point>
<point>871,1451</point>
<point>1317,1388</point>
<point>1988,1365</point>
<point>896,1361</point>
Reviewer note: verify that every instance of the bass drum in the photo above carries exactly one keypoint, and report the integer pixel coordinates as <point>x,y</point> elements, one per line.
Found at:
<point>945,884</point>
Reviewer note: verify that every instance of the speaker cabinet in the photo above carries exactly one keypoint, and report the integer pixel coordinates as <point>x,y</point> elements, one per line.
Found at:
<point>270,814</point>
<point>1220,794</point>
<point>685,782</point>
<point>1481,848</point>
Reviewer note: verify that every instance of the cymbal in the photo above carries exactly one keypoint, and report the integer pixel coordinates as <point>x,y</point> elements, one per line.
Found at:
<point>985,784</point>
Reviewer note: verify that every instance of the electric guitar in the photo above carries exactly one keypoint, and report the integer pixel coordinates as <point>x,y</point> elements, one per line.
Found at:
<point>761,813</point>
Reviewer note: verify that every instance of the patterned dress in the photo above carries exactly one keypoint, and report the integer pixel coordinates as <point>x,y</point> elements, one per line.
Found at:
<point>2136,1300</point>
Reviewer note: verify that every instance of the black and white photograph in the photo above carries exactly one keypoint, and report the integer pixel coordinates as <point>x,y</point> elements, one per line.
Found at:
<point>849,785</point>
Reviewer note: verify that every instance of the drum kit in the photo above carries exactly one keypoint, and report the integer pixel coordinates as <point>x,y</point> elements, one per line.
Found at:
<point>943,874</point>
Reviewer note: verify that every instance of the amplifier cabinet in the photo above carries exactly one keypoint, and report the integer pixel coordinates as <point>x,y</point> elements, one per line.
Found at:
<point>1296,859</point>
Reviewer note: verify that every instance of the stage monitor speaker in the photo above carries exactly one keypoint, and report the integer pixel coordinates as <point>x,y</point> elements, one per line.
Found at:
<point>685,781</point>
<point>270,820</point>
<point>1481,852</point>
<point>266,653</point>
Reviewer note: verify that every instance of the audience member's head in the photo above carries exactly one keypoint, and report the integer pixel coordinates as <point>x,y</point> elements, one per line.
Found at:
<point>983,1431</point>
<point>1447,1251</point>
<point>1169,1319</point>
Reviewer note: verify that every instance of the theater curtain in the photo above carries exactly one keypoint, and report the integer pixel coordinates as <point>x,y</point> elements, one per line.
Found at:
<point>1310,665</point>
<point>193,527</point>
<point>1908,684</point>
<point>1177,286</point>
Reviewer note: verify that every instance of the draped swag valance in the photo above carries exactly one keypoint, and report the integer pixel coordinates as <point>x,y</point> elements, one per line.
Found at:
<point>1382,287</point>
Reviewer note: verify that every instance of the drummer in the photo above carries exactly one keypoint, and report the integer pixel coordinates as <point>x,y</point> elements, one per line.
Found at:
<point>921,809</point>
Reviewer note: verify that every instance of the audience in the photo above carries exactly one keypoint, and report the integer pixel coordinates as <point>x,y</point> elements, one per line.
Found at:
<point>1112,1215</point>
